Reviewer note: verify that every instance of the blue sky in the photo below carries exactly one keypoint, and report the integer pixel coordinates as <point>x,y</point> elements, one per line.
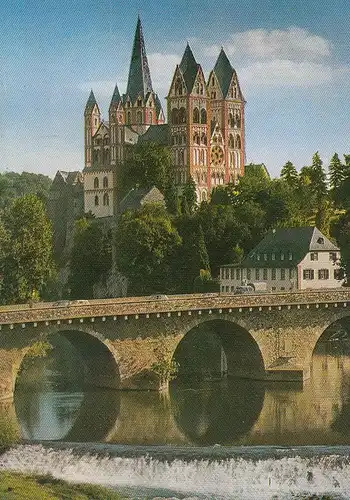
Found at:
<point>292,58</point>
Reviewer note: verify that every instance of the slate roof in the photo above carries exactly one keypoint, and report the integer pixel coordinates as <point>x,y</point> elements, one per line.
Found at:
<point>159,107</point>
<point>189,68</point>
<point>159,134</point>
<point>116,98</point>
<point>139,81</point>
<point>224,72</point>
<point>136,198</point>
<point>90,102</point>
<point>70,178</point>
<point>297,241</point>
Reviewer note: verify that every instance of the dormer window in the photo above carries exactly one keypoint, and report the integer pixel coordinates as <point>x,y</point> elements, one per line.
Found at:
<point>290,256</point>
<point>282,256</point>
<point>273,256</point>
<point>265,256</point>
<point>257,256</point>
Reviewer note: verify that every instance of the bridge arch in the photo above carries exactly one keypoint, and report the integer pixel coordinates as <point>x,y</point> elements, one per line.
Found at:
<point>236,351</point>
<point>101,364</point>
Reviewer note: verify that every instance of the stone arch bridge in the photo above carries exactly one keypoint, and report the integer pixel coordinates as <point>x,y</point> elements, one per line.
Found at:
<point>266,336</point>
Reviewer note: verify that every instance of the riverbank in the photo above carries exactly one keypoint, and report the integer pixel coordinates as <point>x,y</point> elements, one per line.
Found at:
<point>24,487</point>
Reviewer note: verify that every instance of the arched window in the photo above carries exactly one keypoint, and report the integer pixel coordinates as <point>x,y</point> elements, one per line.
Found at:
<point>96,183</point>
<point>196,138</point>
<point>204,139</point>
<point>106,140</point>
<point>203,116</point>
<point>196,115</point>
<point>106,200</point>
<point>139,117</point>
<point>106,156</point>
<point>231,141</point>
<point>96,201</point>
<point>182,115</point>
<point>174,116</point>
<point>238,142</point>
<point>181,157</point>
<point>230,120</point>
<point>105,182</point>
<point>238,118</point>
<point>183,139</point>
<point>150,117</point>
<point>139,102</point>
<point>213,94</point>
<point>128,117</point>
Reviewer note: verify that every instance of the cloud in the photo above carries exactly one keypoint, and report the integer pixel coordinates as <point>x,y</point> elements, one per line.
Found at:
<point>294,44</point>
<point>162,67</point>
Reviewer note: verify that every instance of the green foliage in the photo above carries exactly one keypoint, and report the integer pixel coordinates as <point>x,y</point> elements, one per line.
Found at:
<point>26,262</point>
<point>189,196</point>
<point>14,185</point>
<point>145,243</point>
<point>204,283</point>
<point>148,165</point>
<point>289,174</point>
<point>91,257</point>
<point>165,368</point>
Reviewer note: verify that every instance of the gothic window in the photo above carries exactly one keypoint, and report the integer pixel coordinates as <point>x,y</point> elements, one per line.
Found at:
<point>128,117</point>
<point>150,117</point>
<point>128,104</point>
<point>230,120</point>
<point>106,200</point>
<point>174,116</point>
<point>139,117</point>
<point>98,140</point>
<point>139,102</point>
<point>203,116</point>
<point>202,89</point>
<point>181,157</point>
<point>96,183</point>
<point>231,141</point>
<point>178,87</point>
<point>213,81</point>
<point>96,201</point>
<point>106,140</point>
<point>196,139</point>
<point>105,182</point>
<point>213,94</point>
<point>238,142</point>
<point>204,139</point>
<point>238,118</point>
<point>196,115</point>
<point>183,139</point>
<point>106,156</point>
<point>182,115</point>
<point>198,88</point>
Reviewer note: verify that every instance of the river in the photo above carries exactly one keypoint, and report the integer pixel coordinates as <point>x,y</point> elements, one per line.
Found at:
<point>224,438</point>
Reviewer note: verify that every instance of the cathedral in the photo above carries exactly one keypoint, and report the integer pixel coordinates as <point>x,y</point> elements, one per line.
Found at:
<point>204,129</point>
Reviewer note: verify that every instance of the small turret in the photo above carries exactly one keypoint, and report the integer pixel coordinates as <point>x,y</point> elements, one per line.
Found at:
<point>92,120</point>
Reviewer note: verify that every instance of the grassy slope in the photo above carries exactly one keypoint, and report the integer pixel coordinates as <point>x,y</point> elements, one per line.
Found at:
<point>15,486</point>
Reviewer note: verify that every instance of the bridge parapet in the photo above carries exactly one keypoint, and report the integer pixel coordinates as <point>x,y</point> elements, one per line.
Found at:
<point>135,306</point>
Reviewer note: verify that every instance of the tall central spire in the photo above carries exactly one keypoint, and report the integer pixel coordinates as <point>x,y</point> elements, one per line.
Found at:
<point>139,81</point>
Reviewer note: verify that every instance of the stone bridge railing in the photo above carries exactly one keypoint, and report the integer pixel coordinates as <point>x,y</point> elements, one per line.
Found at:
<point>145,306</point>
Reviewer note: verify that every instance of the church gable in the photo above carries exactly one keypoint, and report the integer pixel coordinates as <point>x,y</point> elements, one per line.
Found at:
<point>213,86</point>
<point>102,130</point>
<point>178,84</point>
<point>234,90</point>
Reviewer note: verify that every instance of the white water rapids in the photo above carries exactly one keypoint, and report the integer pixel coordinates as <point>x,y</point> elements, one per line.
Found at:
<point>238,478</point>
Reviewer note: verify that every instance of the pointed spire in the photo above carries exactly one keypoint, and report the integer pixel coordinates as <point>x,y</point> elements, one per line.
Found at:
<point>224,72</point>
<point>116,96</point>
<point>189,67</point>
<point>91,101</point>
<point>139,81</point>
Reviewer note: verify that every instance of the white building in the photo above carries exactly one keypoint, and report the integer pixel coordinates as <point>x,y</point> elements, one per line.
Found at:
<point>296,258</point>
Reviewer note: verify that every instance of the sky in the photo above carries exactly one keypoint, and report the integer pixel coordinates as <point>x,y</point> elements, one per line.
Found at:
<point>292,58</point>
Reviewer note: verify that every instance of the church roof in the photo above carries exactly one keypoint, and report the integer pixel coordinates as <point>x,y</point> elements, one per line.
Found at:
<point>294,242</point>
<point>189,68</point>
<point>116,96</point>
<point>159,134</point>
<point>224,72</point>
<point>159,107</point>
<point>91,101</point>
<point>136,198</point>
<point>139,81</point>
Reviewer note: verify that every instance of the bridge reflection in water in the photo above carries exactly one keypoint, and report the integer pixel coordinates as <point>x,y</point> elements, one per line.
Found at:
<point>199,412</point>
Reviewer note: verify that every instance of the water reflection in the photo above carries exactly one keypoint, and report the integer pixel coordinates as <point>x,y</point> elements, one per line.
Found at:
<point>227,412</point>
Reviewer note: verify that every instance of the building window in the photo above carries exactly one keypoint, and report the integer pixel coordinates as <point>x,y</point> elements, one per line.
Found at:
<point>333,256</point>
<point>203,116</point>
<point>291,274</point>
<point>249,274</point>
<point>105,182</point>
<point>257,274</point>
<point>273,288</point>
<point>320,241</point>
<point>290,256</point>
<point>238,274</point>
<point>283,274</point>
<point>282,288</point>
<point>227,274</point>
<point>273,256</point>
<point>308,274</point>
<point>282,256</point>
<point>139,117</point>
<point>196,115</point>
<point>96,183</point>
<point>106,200</point>
<point>257,256</point>
<point>273,274</point>
<point>313,256</point>
<point>97,202</point>
<point>265,256</point>
<point>265,274</point>
<point>323,274</point>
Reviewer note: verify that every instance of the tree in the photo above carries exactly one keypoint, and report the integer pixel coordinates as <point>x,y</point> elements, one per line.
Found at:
<point>189,195</point>
<point>26,257</point>
<point>91,257</point>
<point>148,165</point>
<point>204,283</point>
<point>289,174</point>
<point>318,177</point>
<point>14,185</point>
<point>336,172</point>
<point>145,243</point>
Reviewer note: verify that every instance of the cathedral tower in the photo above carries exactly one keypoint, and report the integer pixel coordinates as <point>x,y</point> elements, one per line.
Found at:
<point>92,120</point>
<point>227,113</point>
<point>142,106</point>
<point>189,119</point>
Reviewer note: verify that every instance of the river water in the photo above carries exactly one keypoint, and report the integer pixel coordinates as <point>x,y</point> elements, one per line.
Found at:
<point>234,439</point>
